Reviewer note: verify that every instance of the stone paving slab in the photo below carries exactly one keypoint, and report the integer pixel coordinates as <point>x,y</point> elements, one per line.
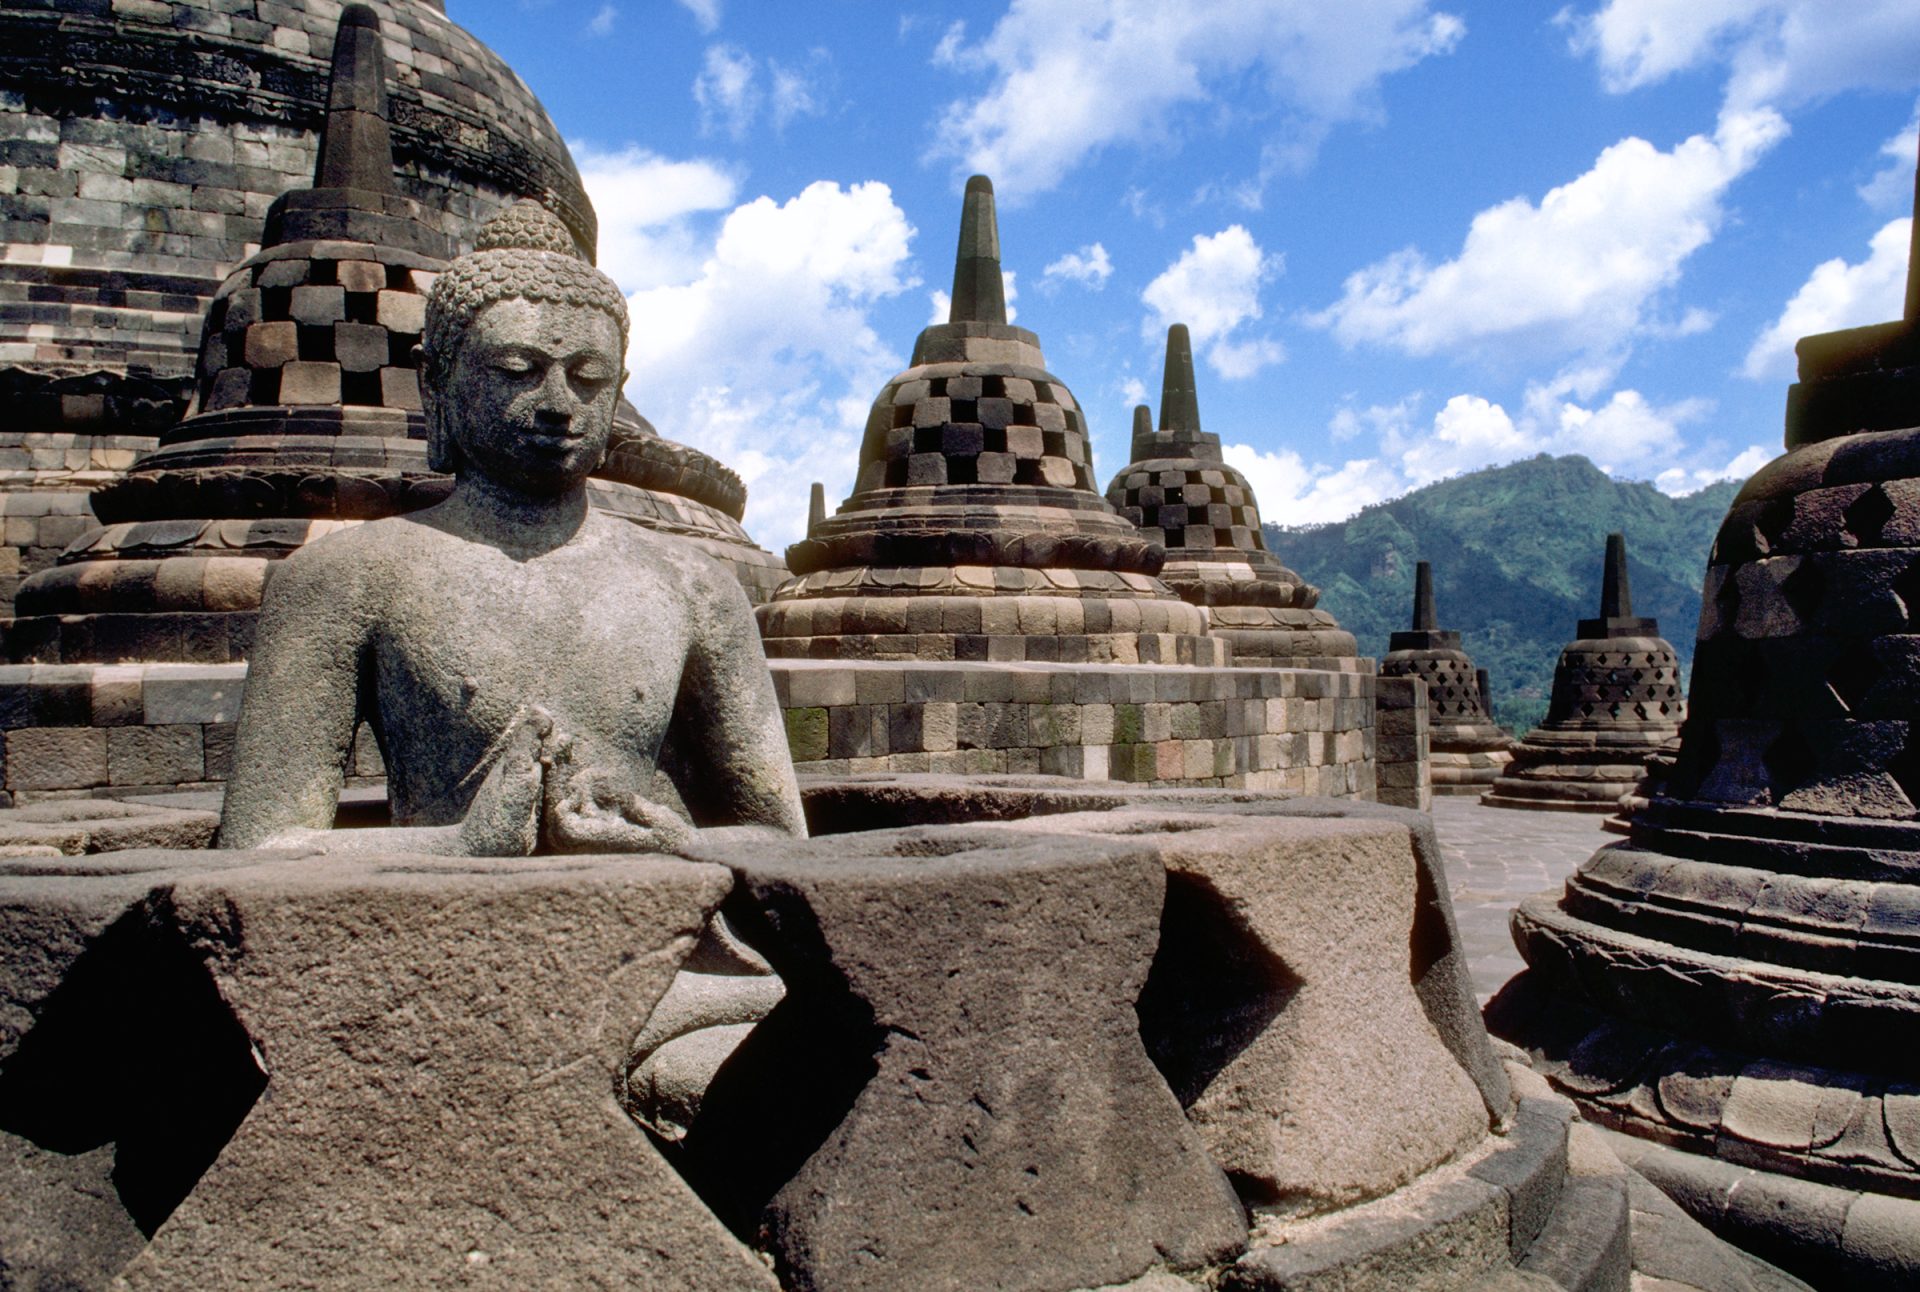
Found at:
<point>1495,857</point>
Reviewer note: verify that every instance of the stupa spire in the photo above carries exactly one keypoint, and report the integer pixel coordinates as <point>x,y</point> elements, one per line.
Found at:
<point>1424,617</point>
<point>1616,598</point>
<point>816,506</point>
<point>1179,403</point>
<point>1913,256</point>
<point>356,143</point>
<point>979,293</point>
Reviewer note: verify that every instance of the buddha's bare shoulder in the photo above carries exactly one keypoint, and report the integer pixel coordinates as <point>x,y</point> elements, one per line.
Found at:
<point>672,560</point>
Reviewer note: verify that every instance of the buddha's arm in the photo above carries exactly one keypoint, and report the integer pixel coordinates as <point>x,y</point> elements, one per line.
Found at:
<point>735,737</point>
<point>301,703</point>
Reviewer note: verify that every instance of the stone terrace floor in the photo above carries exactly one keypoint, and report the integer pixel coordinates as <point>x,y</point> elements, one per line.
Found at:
<point>1495,857</point>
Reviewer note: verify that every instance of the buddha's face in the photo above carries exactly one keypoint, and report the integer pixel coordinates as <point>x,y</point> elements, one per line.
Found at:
<point>531,394</point>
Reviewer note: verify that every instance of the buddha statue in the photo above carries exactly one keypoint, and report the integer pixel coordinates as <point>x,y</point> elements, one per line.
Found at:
<point>526,663</point>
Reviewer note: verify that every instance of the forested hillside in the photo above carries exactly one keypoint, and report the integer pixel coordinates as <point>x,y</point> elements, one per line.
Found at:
<point>1516,554</point>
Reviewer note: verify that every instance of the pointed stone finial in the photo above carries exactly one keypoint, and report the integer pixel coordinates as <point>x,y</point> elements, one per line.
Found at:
<point>1142,431</point>
<point>816,507</point>
<point>1179,404</point>
<point>1913,256</point>
<point>1616,598</point>
<point>356,143</point>
<point>1424,618</point>
<point>979,293</point>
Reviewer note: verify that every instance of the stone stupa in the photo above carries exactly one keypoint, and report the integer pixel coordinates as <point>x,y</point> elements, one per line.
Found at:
<point>1737,986</point>
<point>1180,490</point>
<point>306,416</point>
<point>1616,703</point>
<point>975,531</point>
<point>1468,750</point>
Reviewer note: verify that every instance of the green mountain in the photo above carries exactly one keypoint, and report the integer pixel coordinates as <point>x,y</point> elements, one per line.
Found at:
<point>1517,553</point>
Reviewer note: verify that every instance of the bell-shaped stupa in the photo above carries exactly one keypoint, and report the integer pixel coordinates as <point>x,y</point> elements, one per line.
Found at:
<point>1467,750</point>
<point>1616,703</point>
<point>974,530</point>
<point>306,416</point>
<point>1739,982</point>
<point>1180,490</point>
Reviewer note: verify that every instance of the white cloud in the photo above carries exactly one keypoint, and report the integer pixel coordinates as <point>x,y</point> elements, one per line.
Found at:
<point>1291,492</point>
<point>764,354</point>
<point>727,91</point>
<point>602,22</point>
<point>1468,433</point>
<point>730,90</point>
<point>705,12</point>
<point>1057,66</point>
<point>1776,52</point>
<point>1837,295</point>
<point>1577,274</point>
<point>1626,434</point>
<point>1679,481</point>
<point>1214,288</point>
<point>645,203</point>
<point>1133,391</point>
<point>1090,267</point>
<point>1891,188</point>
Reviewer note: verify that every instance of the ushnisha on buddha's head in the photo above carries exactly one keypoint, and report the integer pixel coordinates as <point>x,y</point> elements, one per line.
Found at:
<point>522,358</point>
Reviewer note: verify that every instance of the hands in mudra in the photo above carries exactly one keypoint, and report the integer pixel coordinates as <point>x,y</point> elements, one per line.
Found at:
<point>538,797</point>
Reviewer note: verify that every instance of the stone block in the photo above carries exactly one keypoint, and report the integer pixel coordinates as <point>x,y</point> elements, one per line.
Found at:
<point>953,1092</point>
<point>156,755</point>
<point>302,382</point>
<point>181,694</point>
<point>56,758</point>
<point>270,345</point>
<point>472,1123</point>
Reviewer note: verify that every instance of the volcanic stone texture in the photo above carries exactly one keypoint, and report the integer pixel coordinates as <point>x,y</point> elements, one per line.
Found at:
<point>974,531</point>
<point>1742,978</point>
<point>467,1133</point>
<point>1467,750</point>
<point>1180,490</point>
<point>1402,748</point>
<point>1616,704</point>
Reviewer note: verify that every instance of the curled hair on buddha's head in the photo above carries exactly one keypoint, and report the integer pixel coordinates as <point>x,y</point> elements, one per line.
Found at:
<point>523,253</point>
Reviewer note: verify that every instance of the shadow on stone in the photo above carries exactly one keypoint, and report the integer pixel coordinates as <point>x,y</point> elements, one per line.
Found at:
<point>1212,990</point>
<point>775,1100</point>
<point>134,1049</point>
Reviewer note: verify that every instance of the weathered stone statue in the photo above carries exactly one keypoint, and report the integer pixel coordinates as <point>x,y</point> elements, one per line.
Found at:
<point>521,659</point>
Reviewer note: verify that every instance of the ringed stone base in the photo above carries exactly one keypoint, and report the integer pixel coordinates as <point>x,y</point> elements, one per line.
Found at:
<point>1471,771</point>
<point>1572,770</point>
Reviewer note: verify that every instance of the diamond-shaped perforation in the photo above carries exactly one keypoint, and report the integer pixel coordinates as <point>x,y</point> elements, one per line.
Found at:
<point>1866,516</point>
<point>1805,588</point>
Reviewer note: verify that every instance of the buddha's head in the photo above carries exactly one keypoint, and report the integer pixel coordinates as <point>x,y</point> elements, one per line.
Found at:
<point>523,357</point>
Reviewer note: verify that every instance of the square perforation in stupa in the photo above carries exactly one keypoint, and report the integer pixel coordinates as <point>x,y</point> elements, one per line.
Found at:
<point>316,331</point>
<point>1195,508</point>
<point>985,430</point>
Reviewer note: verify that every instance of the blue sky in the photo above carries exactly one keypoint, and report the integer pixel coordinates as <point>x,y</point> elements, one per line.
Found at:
<point>1411,238</point>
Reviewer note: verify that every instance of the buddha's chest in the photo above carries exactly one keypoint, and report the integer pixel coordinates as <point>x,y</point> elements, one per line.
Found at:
<point>461,656</point>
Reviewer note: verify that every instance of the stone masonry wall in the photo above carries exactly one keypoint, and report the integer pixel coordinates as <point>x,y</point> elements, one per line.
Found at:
<point>1400,743</point>
<point>78,730</point>
<point>45,478</point>
<point>1304,731</point>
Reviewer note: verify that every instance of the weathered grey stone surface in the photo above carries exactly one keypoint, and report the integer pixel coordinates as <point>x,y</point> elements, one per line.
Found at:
<point>1181,492</point>
<point>89,1161</point>
<point>1277,933</point>
<point>954,1092</point>
<point>460,629</point>
<point>440,1099</point>
<point>1402,742</point>
<point>72,827</point>
<point>1616,705</point>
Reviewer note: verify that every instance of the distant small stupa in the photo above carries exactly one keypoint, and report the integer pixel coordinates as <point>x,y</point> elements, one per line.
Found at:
<point>1468,750</point>
<point>1616,704</point>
